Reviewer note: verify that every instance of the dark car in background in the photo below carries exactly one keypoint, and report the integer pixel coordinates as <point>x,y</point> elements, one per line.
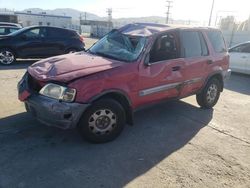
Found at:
<point>38,42</point>
<point>5,30</point>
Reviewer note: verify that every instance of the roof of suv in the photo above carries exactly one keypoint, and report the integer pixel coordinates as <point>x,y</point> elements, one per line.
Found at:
<point>148,29</point>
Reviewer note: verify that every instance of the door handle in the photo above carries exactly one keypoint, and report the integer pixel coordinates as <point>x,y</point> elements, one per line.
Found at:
<point>209,61</point>
<point>176,68</point>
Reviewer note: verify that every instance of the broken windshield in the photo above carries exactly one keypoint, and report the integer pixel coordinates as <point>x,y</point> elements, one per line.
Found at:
<point>118,46</point>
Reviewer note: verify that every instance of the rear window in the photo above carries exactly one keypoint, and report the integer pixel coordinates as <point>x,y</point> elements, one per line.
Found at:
<point>217,41</point>
<point>193,44</point>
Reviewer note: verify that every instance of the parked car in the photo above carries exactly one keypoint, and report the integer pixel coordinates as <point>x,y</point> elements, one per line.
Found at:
<point>240,58</point>
<point>10,24</point>
<point>5,30</point>
<point>38,42</point>
<point>136,65</point>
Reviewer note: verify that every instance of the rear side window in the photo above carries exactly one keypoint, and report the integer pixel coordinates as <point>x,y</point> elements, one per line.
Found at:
<point>53,33</point>
<point>193,44</point>
<point>217,41</point>
<point>60,33</point>
<point>66,33</point>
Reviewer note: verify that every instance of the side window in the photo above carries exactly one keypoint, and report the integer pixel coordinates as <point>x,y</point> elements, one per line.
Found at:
<point>13,30</point>
<point>53,33</point>
<point>2,31</point>
<point>238,48</point>
<point>191,44</point>
<point>217,41</point>
<point>246,49</point>
<point>164,48</point>
<point>65,33</point>
<point>203,45</point>
<point>35,33</point>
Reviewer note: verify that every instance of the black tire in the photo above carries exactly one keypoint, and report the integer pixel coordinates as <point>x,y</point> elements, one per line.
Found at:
<point>204,98</point>
<point>13,56</point>
<point>96,134</point>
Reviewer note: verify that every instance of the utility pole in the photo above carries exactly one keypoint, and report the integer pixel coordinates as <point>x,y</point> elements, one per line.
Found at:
<point>211,13</point>
<point>85,16</point>
<point>80,27</point>
<point>109,11</point>
<point>169,5</point>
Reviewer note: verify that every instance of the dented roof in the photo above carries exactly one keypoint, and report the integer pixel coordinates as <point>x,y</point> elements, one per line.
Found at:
<point>148,29</point>
<point>143,29</point>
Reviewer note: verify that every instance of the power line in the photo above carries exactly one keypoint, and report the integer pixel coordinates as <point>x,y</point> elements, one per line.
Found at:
<point>169,5</point>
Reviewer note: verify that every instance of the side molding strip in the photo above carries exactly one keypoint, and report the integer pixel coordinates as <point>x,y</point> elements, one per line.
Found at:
<point>168,87</point>
<point>158,89</point>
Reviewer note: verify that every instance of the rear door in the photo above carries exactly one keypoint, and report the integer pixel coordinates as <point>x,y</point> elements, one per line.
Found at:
<point>56,39</point>
<point>195,53</point>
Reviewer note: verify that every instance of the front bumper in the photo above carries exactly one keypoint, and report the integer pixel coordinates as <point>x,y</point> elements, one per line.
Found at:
<point>49,111</point>
<point>54,113</point>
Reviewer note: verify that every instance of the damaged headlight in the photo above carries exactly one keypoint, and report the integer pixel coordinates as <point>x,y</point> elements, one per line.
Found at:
<point>58,92</point>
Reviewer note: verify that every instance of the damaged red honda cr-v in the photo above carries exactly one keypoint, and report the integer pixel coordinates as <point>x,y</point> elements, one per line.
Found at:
<point>138,64</point>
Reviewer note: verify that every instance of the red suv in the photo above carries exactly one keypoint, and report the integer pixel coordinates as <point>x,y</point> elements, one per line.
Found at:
<point>136,65</point>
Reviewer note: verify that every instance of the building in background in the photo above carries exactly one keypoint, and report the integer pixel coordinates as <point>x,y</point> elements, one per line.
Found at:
<point>96,28</point>
<point>235,32</point>
<point>28,19</point>
<point>43,19</point>
<point>8,17</point>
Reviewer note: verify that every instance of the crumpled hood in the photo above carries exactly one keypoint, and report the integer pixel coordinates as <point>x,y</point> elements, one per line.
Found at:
<point>71,66</point>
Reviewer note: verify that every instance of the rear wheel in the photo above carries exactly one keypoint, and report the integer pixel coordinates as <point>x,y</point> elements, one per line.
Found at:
<point>210,94</point>
<point>103,121</point>
<point>7,57</point>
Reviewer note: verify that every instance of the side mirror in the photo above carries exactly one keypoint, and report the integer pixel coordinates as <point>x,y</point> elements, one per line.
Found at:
<point>147,59</point>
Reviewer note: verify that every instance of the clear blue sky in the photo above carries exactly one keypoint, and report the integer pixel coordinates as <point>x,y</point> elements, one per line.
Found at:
<point>182,9</point>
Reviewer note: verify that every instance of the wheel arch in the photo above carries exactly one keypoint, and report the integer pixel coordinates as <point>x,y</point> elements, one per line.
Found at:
<point>10,48</point>
<point>218,76</point>
<point>122,98</point>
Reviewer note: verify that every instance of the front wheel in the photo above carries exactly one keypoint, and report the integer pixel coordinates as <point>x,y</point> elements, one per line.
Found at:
<point>103,121</point>
<point>7,57</point>
<point>210,94</point>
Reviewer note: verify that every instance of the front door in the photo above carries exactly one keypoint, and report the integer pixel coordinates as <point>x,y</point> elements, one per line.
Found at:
<point>32,43</point>
<point>163,76</point>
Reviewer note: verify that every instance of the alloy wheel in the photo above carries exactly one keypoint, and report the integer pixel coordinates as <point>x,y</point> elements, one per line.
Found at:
<point>6,57</point>
<point>212,93</point>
